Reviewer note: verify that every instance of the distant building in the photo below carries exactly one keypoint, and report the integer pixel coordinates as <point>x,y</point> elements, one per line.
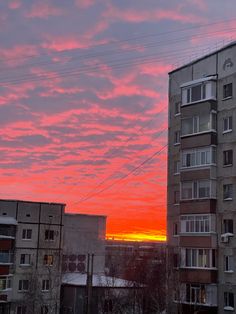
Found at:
<point>30,256</point>
<point>83,235</point>
<point>125,258</point>
<point>202,185</point>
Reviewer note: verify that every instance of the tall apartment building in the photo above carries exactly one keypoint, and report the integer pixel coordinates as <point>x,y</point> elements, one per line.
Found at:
<point>202,185</point>
<point>30,257</point>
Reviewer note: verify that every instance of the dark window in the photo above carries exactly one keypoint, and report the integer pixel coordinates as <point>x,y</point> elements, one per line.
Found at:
<point>175,260</point>
<point>23,285</point>
<point>228,90</point>
<point>176,197</point>
<point>21,309</point>
<point>108,306</point>
<point>229,299</point>
<point>228,226</point>
<point>175,229</point>
<point>177,107</point>
<point>227,124</point>
<point>177,137</point>
<point>27,234</point>
<point>228,191</point>
<point>25,259</point>
<point>228,157</point>
<point>196,93</point>
<point>44,309</point>
<point>49,235</point>
<point>45,285</point>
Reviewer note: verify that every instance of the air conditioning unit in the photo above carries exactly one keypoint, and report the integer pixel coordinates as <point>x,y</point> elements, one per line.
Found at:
<point>225,238</point>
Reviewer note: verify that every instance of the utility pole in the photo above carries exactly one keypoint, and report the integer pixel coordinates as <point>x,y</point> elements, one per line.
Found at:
<point>89,283</point>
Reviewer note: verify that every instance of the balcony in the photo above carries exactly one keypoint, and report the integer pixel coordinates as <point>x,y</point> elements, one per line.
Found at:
<point>6,258</point>
<point>7,232</point>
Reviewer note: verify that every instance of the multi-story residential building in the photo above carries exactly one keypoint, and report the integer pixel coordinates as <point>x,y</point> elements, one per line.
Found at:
<point>202,185</point>
<point>30,256</point>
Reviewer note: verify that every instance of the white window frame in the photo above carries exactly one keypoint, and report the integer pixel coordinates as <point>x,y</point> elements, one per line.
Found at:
<point>26,258</point>
<point>230,198</point>
<point>6,283</point>
<point>21,284</point>
<point>197,260</point>
<point>195,293</point>
<point>196,223</point>
<point>227,305</point>
<point>27,234</point>
<point>177,138</point>
<point>196,157</point>
<point>196,123</point>
<point>45,285</point>
<point>227,124</point>
<point>229,263</point>
<point>195,189</point>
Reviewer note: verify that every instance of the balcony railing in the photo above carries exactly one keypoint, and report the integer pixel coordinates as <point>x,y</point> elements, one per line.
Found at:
<point>6,257</point>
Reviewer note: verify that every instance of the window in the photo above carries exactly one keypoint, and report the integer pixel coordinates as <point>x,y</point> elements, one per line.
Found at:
<point>23,285</point>
<point>22,309</point>
<point>26,234</point>
<point>45,285</point>
<point>5,283</point>
<point>175,260</point>
<point>48,260</point>
<point>228,300</point>
<point>49,235</point>
<point>176,167</point>
<point>198,157</point>
<point>177,108</point>
<point>195,223</point>
<point>228,157</point>
<point>25,259</point>
<point>177,137</point>
<point>176,197</point>
<point>196,293</point>
<point>195,189</point>
<point>228,263</point>
<point>44,309</point>
<point>227,192</point>
<point>198,124</point>
<point>228,226</point>
<point>227,124</point>
<point>175,229</point>
<point>199,258</point>
<point>227,90</point>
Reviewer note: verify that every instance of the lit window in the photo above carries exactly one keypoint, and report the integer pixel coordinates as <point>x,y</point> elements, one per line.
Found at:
<point>227,124</point>
<point>228,157</point>
<point>27,234</point>
<point>196,293</point>
<point>228,90</point>
<point>25,259</point>
<point>199,258</point>
<point>23,285</point>
<point>45,285</point>
<point>49,235</point>
<point>228,192</point>
<point>228,300</point>
<point>48,260</point>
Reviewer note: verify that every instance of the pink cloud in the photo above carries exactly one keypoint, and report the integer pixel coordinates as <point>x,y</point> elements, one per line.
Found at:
<point>135,16</point>
<point>17,54</point>
<point>14,4</point>
<point>65,43</point>
<point>84,4</point>
<point>43,11</point>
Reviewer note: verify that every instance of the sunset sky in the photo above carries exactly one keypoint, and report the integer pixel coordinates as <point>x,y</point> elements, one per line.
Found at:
<point>83,101</point>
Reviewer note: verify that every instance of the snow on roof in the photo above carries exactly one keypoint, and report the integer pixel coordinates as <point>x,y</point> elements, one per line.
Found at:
<point>4,220</point>
<point>99,280</point>
<point>203,79</point>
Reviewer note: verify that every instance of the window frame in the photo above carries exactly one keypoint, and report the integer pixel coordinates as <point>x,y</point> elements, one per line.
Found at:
<point>193,158</point>
<point>228,192</point>
<point>227,91</point>
<point>23,258</point>
<point>198,258</point>
<point>21,285</point>
<point>196,223</point>
<point>48,259</point>
<point>227,124</point>
<point>228,158</point>
<point>228,300</point>
<point>196,189</point>
<point>45,285</point>
<point>229,263</point>
<point>49,235</point>
<point>27,234</point>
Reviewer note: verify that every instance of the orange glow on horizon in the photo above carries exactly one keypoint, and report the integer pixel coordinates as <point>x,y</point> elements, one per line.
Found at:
<point>137,237</point>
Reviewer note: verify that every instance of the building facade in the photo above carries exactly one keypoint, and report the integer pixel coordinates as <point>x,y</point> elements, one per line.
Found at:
<point>30,256</point>
<point>202,185</point>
